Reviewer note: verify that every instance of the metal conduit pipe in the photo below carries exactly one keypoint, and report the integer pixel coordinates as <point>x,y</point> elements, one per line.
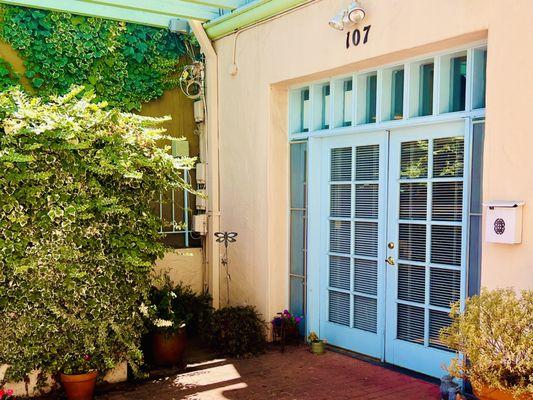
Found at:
<point>213,171</point>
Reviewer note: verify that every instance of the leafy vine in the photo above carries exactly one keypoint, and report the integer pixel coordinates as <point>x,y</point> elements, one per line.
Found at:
<point>124,64</point>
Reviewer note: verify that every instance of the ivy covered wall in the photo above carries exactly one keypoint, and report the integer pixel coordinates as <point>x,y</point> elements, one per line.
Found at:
<point>124,64</point>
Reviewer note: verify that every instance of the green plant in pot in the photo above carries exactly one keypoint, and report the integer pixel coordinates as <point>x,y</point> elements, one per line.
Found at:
<point>79,377</point>
<point>494,335</point>
<point>168,322</point>
<point>318,346</point>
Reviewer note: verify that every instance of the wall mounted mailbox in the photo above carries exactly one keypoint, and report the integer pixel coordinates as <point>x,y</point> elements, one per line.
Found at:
<point>504,222</point>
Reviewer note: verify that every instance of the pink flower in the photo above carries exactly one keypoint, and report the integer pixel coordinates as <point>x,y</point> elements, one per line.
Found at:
<point>86,357</point>
<point>9,392</point>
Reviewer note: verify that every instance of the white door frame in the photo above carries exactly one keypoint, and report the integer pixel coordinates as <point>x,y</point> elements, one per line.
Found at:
<point>317,235</point>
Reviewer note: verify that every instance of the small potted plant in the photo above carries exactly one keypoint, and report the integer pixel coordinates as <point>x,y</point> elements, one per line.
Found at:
<point>286,323</point>
<point>494,335</point>
<point>6,394</point>
<point>168,322</point>
<point>79,377</point>
<point>317,345</point>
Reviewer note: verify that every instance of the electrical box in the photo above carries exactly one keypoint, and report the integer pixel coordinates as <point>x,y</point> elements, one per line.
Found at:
<point>180,148</point>
<point>201,200</point>
<point>503,222</point>
<point>199,223</point>
<point>199,114</point>
<point>200,173</point>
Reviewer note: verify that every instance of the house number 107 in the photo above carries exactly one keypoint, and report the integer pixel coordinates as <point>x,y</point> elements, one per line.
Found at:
<point>354,38</point>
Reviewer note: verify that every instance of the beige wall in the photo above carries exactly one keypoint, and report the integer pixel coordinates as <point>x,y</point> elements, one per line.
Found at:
<point>184,266</point>
<point>302,47</point>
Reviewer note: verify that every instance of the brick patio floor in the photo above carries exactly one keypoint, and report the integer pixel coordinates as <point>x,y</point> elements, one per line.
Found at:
<point>295,374</point>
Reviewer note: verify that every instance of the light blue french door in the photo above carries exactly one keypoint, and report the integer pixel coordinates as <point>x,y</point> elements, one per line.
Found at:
<point>426,241</point>
<point>392,238</point>
<point>352,277</point>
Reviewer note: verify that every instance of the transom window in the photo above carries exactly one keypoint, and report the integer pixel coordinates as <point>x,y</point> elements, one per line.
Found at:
<point>425,87</point>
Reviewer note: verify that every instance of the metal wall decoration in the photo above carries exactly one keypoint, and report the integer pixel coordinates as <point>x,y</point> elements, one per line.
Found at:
<point>226,238</point>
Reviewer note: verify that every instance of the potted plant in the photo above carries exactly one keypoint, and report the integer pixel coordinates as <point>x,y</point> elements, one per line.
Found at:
<point>286,324</point>
<point>168,324</point>
<point>79,378</point>
<point>494,335</point>
<point>317,345</point>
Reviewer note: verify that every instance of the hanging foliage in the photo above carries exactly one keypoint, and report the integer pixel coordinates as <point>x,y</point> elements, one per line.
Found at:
<point>77,236</point>
<point>124,64</point>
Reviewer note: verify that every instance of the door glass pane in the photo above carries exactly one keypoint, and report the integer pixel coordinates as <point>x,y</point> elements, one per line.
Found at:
<point>297,248</point>
<point>414,159</point>
<point>366,200</point>
<point>367,163</point>
<point>412,242</point>
<point>341,200</point>
<point>448,157</point>
<point>339,308</point>
<point>298,229</point>
<point>365,313</point>
<point>341,164</point>
<point>297,299</point>
<point>444,286</point>
<point>412,283</point>
<point>371,91</point>
<point>437,321</point>
<point>446,244</point>
<point>410,323</point>
<point>339,237</point>
<point>366,276</point>
<point>458,83</point>
<point>413,200</point>
<point>298,174</point>
<point>366,238</point>
<point>397,94</point>
<point>426,88</point>
<point>447,201</point>
<point>339,272</point>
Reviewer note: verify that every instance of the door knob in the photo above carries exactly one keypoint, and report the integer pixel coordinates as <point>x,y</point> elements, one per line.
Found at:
<point>390,260</point>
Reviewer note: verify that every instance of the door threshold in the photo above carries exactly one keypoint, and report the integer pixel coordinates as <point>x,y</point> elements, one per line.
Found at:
<point>379,363</point>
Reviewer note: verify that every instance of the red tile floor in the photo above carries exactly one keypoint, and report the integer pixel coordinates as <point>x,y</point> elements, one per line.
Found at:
<point>294,374</point>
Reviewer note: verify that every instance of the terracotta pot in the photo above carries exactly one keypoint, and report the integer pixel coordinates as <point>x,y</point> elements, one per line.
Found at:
<point>485,393</point>
<point>318,347</point>
<point>168,349</point>
<point>79,387</point>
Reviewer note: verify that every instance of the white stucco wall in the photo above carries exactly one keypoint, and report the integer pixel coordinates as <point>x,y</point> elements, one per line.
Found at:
<point>302,47</point>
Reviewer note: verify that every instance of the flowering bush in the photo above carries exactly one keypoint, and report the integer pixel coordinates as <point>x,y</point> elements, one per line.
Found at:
<point>6,394</point>
<point>77,233</point>
<point>495,334</point>
<point>286,319</point>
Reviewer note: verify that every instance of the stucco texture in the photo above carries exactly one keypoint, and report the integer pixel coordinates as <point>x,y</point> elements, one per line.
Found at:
<point>299,47</point>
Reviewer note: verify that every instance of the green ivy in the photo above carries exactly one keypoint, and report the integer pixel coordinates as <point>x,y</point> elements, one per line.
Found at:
<point>8,77</point>
<point>77,236</point>
<point>124,64</point>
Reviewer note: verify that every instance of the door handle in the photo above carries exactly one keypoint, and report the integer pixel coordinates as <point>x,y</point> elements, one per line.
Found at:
<point>390,260</point>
